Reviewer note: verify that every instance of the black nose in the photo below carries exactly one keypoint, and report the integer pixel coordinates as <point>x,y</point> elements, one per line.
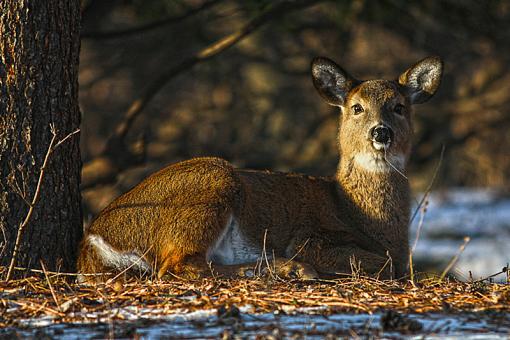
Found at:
<point>382,134</point>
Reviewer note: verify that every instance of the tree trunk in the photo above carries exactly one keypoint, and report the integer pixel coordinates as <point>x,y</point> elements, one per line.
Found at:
<point>39,54</point>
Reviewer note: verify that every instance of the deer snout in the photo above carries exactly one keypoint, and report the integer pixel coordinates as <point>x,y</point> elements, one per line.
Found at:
<point>381,134</point>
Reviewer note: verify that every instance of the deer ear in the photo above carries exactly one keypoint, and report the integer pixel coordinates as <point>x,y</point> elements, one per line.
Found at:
<point>422,79</point>
<point>332,82</point>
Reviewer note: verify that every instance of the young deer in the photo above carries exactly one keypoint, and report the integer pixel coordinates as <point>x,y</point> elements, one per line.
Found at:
<point>203,215</point>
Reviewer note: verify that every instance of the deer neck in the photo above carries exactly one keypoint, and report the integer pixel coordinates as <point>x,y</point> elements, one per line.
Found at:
<point>376,202</point>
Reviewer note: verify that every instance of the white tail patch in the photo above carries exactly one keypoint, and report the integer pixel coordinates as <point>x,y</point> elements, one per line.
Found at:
<point>232,247</point>
<point>117,259</point>
<point>375,162</point>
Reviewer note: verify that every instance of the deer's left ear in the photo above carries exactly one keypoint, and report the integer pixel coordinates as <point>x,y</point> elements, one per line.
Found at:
<point>422,79</point>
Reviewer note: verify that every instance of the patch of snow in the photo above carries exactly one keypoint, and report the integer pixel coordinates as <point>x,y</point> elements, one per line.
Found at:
<point>307,322</point>
<point>481,214</point>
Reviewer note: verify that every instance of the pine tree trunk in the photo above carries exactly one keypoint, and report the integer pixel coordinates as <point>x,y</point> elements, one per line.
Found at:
<point>39,54</point>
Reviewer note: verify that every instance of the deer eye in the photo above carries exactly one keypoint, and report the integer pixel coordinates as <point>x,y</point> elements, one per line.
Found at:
<point>357,109</point>
<point>399,109</point>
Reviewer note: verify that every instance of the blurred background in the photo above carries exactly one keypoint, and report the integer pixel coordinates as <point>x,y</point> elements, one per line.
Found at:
<point>254,103</point>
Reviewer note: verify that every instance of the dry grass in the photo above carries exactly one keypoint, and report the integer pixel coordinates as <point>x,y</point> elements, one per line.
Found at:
<point>54,295</point>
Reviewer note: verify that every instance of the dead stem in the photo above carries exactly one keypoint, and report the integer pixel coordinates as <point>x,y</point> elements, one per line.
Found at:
<point>52,146</point>
<point>50,286</point>
<point>264,254</point>
<point>454,259</point>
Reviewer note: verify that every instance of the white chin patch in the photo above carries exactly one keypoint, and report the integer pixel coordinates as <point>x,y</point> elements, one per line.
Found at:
<point>378,146</point>
<point>375,162</point>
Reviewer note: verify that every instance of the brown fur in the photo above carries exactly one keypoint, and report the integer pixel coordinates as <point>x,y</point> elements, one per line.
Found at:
<point>175,216</point>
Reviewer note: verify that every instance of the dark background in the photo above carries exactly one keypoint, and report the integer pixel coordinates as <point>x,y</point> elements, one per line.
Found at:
<point>255,105</point>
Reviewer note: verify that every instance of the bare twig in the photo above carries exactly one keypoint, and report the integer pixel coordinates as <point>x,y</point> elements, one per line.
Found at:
<point>31,208</point>
<point>55,273</point>
<point>98,35</point>
<point>355,267</point>
<point>417,237</point>
<point>454,259</point>
<point>277,10</point>
<point>422,206</point>
<point>35,197</point>
<point>436,171</point>
<point>65,138</point>
<point>51,287</point>
<point>411,266</point>
<point>420,222</point>
<point>299,251</point>
<point>264,255</point>
<point>505,270</point>
<point>507,273</point>
<point>116,147</point>
<point>389,261</point>
<point>134,263</point>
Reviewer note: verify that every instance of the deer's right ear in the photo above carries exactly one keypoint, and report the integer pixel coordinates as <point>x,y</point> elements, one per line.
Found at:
<point>422,79</point>
<point>332,82</point>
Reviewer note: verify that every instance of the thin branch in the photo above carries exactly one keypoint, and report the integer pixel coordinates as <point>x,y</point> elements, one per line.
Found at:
<point>133,264</point>
<point>427,191</point>
<point>504,270</point>
<point>138,105</point>
<point>31,208</point>
<point>113,157</point>
<point>51,287</point>
<point>388,261</point>
<point>422,206</point>
<point>417,237</point>
<point>297,253</point>
<point>39,271</point>
<point>100,35</point>
<point>60,142</point>
<point>35,197</point>
<point>420,223</point>
<point>264,255</point>
<point>455,258</point>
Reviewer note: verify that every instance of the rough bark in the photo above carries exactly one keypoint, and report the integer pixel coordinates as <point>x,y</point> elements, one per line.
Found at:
<point>39,54</point>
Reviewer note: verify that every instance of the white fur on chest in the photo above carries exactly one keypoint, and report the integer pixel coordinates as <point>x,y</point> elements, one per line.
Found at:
<point>232,247</point>
<point>376,163</point>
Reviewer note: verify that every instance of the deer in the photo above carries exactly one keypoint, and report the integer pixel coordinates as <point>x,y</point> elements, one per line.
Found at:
<point>203,216</point>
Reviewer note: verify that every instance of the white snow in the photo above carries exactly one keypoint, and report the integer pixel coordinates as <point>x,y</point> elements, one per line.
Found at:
<point>308,322</point>
<point>482,215</point>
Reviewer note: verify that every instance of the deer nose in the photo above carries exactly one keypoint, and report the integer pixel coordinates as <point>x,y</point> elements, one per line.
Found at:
<point>381,134</point>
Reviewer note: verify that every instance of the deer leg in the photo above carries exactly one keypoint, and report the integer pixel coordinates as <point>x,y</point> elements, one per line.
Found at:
<point>195,267</point>
<point>278,267</point>
<point>331,260</point>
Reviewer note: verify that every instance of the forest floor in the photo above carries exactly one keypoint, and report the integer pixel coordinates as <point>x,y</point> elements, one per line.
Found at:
<point>51,306</point>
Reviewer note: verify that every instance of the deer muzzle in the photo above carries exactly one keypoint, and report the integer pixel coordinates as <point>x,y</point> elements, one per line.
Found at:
<point>382,136</point>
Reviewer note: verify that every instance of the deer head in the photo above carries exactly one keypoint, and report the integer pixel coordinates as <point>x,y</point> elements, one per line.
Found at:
<point>376,122</point>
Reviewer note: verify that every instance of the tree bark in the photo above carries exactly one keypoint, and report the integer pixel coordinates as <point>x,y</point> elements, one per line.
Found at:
<point>39,55</point>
